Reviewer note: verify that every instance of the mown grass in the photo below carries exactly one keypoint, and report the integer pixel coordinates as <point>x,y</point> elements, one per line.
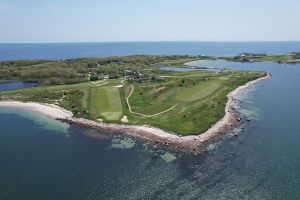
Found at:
<point>106,102</point>
<point>199,98</point>
<point>200,91</point>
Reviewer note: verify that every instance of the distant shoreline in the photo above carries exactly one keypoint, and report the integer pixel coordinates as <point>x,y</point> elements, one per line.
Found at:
<point>71,50</point>
<point>195,143</point>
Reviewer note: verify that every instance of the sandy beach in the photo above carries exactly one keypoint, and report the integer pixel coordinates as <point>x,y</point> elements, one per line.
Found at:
<point>194,143</point>
<point>48,110</point>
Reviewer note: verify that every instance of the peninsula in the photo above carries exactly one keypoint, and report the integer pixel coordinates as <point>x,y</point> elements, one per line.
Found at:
<point>152,97</point>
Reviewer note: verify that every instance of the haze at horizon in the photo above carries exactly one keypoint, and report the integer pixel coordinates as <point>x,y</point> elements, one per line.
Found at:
<point>141,20</point>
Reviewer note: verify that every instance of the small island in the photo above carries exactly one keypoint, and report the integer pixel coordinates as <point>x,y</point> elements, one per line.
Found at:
<point>158,98</point>
<point>290,58</point>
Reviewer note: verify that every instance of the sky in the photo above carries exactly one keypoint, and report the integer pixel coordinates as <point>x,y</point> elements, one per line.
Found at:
<point>149,20</point>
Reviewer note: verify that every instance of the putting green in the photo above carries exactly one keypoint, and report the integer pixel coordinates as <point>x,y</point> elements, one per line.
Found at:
<point>106,102</point>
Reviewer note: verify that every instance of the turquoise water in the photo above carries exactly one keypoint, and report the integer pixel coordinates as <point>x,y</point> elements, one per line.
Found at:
<point>44,123</point>
<point>39,162</point>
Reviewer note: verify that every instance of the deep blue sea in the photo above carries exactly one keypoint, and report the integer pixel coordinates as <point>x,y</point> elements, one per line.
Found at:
<point>45,159</point>
<point>75,50</point>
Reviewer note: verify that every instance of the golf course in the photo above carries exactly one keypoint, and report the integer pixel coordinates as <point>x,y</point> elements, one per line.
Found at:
<point>138,92</point>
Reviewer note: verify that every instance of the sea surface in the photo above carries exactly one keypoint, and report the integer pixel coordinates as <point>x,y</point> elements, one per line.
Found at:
<point>53,51</point>
<point>45,159</point>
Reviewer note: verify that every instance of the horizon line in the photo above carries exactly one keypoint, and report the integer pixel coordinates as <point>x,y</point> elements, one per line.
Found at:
<point>154,41</point>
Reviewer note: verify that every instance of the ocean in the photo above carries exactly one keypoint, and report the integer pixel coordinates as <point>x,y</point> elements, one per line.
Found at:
<point>56,51</point>
<point>45,159</point>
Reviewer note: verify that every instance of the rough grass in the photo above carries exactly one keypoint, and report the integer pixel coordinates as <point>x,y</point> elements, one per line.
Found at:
<point>152,99</point>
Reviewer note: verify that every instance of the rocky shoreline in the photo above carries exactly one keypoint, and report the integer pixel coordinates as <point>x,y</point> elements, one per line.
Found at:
<point>195,144</point>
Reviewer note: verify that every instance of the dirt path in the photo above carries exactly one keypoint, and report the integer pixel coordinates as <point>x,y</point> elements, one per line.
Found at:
<point>130,110</point>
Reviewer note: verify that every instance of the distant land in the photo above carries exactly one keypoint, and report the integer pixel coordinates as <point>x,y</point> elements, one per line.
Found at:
<point>56,51</point>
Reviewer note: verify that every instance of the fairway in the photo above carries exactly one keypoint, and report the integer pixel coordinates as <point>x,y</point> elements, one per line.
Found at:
<point>181,102</point>
<point>199,91</point>
<point>106,102</point>
<point>151,100</point>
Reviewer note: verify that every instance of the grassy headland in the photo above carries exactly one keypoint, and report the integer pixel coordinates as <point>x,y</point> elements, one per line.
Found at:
<point>107,89</point>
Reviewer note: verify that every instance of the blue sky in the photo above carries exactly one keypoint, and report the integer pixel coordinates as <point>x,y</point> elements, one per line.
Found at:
<point>149,20</point>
